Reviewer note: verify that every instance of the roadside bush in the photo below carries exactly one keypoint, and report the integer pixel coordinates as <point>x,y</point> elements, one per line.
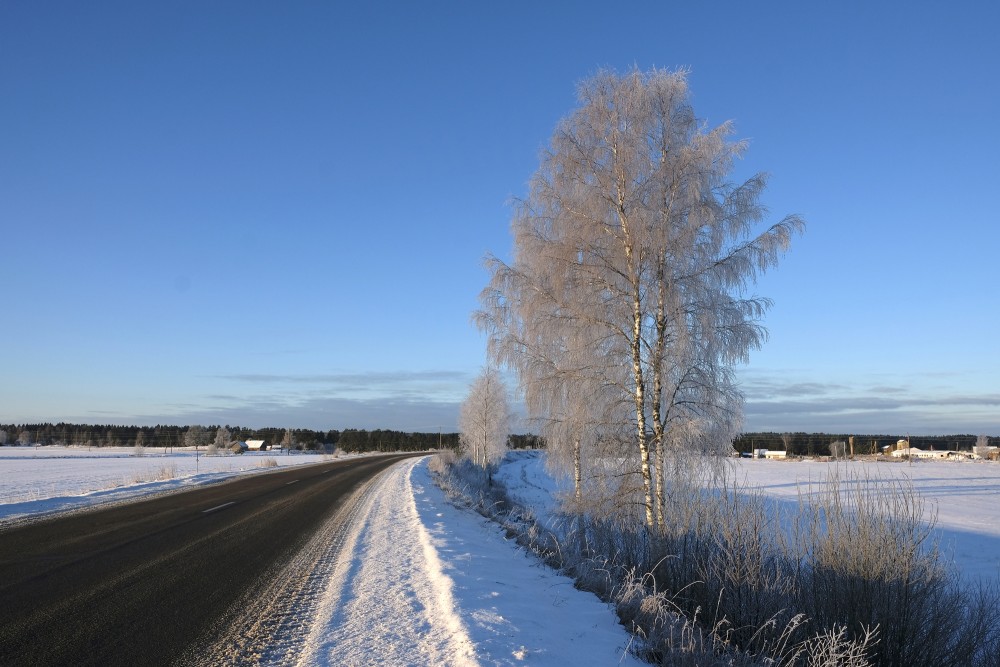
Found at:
<point>855,562</point>
<point>441,463</point>
<point>868,559</point>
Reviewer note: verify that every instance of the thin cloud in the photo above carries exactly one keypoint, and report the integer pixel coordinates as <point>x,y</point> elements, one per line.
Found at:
<point>351,379</point>
<point>324,413</point>
<point>776,404</point>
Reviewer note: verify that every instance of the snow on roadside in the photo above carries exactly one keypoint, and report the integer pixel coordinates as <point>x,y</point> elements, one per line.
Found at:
<point>429,583</point>
<point>389,601</point>
<point>516,608</point>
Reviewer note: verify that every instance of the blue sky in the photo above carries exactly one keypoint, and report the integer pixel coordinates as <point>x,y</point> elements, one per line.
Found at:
<point>275,213</point>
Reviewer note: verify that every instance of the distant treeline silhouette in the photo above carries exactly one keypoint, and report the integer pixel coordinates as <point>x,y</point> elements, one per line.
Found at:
<point>167,437</point>
<point>818,444</point>
<point>361,440</point>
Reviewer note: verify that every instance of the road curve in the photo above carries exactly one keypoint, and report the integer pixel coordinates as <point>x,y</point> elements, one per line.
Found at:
<point>138,584</point>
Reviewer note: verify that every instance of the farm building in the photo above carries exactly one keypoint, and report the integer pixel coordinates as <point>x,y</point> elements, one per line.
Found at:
<point>256,445</point>
<point>766,454</point>
<point>918,453</point>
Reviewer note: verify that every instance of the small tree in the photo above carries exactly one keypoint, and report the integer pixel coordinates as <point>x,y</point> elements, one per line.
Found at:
<point>194,436</point>
<point>484,419</point>
<point>221,440</point>
<point>838,449</point>
<point>982,446</point>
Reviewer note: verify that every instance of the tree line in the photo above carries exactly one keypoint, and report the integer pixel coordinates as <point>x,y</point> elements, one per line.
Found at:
<point>361,440</point>
<point>168,436</point>
<point>160,435</point>
<point>818,444</point>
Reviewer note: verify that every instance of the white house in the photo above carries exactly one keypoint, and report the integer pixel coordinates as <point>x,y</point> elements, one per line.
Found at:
<point>256,445</point>
<point>767,454</point>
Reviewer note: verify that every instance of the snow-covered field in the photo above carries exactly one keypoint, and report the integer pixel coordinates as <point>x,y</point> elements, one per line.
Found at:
<point>41,480</point>
<point>964,496</point>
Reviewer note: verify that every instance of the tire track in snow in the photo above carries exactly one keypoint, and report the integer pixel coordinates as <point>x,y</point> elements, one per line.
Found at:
<point>389,601</point>
<point>270,624</point>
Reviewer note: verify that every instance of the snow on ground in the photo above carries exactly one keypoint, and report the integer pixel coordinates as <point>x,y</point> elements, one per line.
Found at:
<point>415,580</point>
<point>43,480</point>
<point>426,583</point>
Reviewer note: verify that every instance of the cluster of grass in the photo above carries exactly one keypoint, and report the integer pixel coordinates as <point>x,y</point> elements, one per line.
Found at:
<point>161,474</point>
<point>849,578</point>
<point>267,462</point>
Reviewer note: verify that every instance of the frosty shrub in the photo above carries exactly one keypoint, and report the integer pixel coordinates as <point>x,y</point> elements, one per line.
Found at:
<point>853,574</point>
<point>138,450</point>
<point>267,463</point>
<point>442,461</point>
<point>867,558</point>
<point>166,472</point>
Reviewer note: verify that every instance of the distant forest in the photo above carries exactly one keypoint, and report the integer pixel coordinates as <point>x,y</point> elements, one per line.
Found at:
<point>359,440</point>
<point>818,444</point>
<point>167,437</point>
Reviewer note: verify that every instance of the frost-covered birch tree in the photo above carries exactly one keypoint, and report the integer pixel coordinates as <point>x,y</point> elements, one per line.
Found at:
<point>221,439</point>
<point>484,419</point>
<point>982,446</point>
<point>627,294</point>
<point>194,436</point>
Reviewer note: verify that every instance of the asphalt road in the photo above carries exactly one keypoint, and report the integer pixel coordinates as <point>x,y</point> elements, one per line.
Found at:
<point>139,583</point>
